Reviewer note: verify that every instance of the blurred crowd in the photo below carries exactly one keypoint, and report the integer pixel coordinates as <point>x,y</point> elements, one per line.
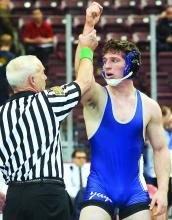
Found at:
<point>35,37</point>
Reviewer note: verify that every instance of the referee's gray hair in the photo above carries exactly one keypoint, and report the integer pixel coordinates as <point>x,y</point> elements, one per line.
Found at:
<point>19,69</point>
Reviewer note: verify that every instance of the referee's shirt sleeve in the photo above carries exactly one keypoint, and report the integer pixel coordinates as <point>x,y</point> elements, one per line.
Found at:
<point>64,98</point>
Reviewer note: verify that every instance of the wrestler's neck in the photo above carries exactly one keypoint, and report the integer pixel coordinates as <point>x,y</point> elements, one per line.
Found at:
<point>125,88</point>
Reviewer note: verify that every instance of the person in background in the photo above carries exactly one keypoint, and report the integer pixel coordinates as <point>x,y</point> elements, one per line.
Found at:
<point>76,179</point>
<point>7,26</point>
<point>5,56</point>
<point>5,18</point>
<point>149,167</point>
<point>164,30</point>
<point>38,37</point>
<point>75,175</point>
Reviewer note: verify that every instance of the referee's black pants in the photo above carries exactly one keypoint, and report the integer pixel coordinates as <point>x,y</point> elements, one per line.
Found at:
<point>43,201</point>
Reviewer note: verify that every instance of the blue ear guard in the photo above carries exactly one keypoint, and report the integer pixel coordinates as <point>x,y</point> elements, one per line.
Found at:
<point>132,64</point>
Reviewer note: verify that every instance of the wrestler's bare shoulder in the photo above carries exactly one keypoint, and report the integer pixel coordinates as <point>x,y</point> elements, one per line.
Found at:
<point>151,106</point>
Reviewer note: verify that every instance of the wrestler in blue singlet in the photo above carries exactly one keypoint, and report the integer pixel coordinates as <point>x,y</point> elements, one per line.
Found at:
<point>116,176</point>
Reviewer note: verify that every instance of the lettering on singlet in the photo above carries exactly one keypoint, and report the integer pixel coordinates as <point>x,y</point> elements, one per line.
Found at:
<point>99,195</point>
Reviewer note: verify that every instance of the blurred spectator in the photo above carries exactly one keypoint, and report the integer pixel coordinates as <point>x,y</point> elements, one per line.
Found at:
<point>5,21</point>
<point>150,173</point>
<point>38,37</point>
<point>6,27</point>
<point>164,30</point>
<point>75,175</point>
<point>166,114</point>
<point>5,57</point>
<point>79,173</point>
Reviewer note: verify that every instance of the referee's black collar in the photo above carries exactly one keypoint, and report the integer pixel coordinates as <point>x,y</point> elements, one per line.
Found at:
<point>21,94</point>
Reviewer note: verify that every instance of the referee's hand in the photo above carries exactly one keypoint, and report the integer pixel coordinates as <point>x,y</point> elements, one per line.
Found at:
<point>89,40</point>
<point>2,201</point>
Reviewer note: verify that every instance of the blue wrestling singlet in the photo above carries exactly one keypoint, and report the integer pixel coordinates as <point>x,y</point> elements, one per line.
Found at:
<point>116,176</point>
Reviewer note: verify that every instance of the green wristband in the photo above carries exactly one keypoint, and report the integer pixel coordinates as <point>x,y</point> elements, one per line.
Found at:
<point>86,53</point>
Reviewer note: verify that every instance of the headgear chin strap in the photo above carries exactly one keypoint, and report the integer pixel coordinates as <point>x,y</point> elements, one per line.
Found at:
<point>115,82</point>
<point>132,67</point>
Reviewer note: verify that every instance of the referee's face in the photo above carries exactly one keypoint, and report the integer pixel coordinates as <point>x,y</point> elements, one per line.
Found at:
<point>40,79</point>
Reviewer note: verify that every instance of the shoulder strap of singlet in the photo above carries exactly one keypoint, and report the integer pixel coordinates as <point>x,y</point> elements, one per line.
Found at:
<point>105,87</point>
<point>139,103</point>
<point>139,100</point>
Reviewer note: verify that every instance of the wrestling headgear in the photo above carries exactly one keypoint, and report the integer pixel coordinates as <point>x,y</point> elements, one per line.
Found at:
<point>132,67</point>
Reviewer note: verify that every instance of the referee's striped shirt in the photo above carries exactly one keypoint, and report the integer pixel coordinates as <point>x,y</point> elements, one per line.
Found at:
<point>29,132</point>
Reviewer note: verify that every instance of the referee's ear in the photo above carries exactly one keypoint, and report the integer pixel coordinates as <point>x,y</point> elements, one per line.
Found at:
<point>31,81</point>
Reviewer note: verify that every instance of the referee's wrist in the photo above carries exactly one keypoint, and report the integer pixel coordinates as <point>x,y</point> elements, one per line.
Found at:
<point>86,52</point>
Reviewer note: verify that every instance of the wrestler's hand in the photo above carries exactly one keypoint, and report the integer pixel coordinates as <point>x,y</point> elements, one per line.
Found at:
<point>93,14</point>
<point>2,201</point>
<point>159,203</point>
<point>88,40</point>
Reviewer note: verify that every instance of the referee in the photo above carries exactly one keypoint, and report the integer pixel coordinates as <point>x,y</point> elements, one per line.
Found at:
<point>30,150</point>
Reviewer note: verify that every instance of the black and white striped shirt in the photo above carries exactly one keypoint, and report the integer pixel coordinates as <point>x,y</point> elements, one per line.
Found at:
<point>29,132</point>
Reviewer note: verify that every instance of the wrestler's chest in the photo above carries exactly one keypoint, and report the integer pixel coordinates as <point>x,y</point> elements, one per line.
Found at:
<point>124,110</point>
